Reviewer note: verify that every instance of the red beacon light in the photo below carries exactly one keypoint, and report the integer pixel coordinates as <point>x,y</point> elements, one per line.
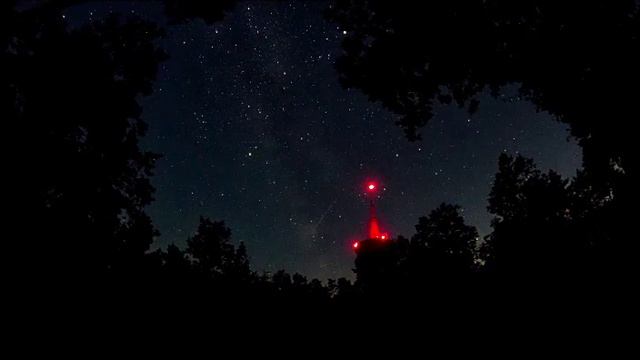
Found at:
<point>373,227</point>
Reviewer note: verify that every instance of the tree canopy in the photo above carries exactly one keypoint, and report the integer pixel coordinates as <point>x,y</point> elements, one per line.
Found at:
<point>71,101</point>
<point>574,59</point>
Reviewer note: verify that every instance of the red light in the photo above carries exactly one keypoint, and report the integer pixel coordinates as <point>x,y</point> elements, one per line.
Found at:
<point>371,186</point>
<point>374,229</point>
<point>383,237</point>
<point>356,244</point>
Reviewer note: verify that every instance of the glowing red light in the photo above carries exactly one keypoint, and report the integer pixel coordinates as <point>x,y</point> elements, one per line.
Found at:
<point>371,186</point>
<point>356,244</point>
<point>374,228</point>
<point>383,237</point>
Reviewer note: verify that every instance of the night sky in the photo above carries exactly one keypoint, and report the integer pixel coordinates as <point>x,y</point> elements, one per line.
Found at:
<point>255,130</point>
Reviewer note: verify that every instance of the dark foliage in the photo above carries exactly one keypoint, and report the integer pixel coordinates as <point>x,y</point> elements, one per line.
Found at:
<point>442,251</point>
<point>548,227</point>
<point>70,99</point>
<point>575,59</point>
<point>443,245</point>
<point>532,221</point>
<point>73,98</point>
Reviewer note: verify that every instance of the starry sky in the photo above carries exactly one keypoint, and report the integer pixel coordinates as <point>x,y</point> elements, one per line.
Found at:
<point>255,130</point>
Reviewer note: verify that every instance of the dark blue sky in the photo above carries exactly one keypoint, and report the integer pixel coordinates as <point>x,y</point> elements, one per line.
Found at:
<point>256,130</point>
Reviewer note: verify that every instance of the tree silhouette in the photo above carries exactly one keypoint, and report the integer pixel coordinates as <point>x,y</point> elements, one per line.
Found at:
<point>342,292</point>
<point>237,268</point>
<point>74,97</point>
<point>567,57</point>
<point>70,100</point>
<point>380,265</point>
<point>175,263</point>
<point>211,250</point>
<point>534,231</point>
<point>575,59</point>
<point>443,247</point>
<point>442,252</point>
